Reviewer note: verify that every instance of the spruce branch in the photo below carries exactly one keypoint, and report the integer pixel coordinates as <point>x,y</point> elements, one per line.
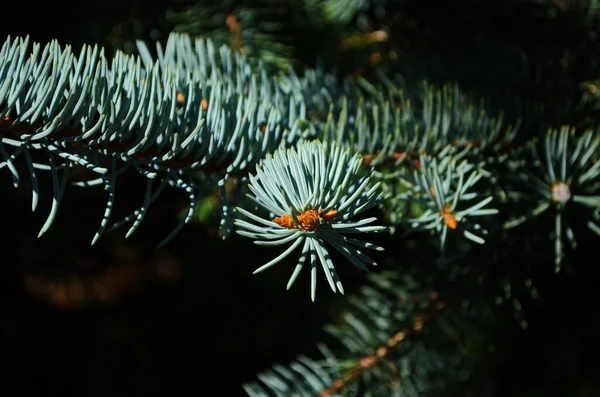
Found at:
<point>564,176</point>
<point>445,201</point>
<point>392,337</point>
<point>389,123</point>
<point>254,29</point>
<point>311,193</point>
<point>194,110</point>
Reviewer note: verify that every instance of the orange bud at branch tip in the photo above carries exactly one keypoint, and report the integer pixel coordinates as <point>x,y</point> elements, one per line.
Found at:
<point>286,221</point>
<point>449,218</point>
<point>308,220</point>
<point>329,215</point>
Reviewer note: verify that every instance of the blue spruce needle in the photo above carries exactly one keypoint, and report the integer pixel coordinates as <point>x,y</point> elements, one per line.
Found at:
<point>310,192</point>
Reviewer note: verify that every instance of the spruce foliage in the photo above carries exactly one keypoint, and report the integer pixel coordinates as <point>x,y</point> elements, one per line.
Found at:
<point>336,165</point>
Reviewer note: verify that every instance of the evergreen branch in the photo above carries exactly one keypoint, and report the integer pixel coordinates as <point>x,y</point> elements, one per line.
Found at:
<point>252,29</point>
<point>390,125</point>
<point>194,110</point>
<point>565,174</point>
<point>311,193</point>
<point>379,357</point>
<point>387,351</point>
<point>443,198</point>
